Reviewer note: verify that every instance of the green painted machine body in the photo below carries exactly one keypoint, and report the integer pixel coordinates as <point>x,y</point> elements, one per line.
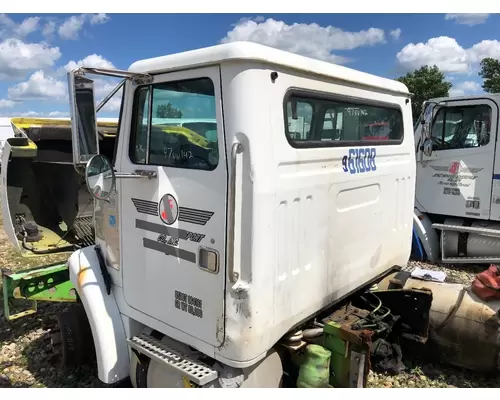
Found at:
<point>47,283</point>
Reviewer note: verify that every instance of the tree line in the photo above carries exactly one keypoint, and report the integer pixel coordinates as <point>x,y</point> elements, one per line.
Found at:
<point>429,82</point>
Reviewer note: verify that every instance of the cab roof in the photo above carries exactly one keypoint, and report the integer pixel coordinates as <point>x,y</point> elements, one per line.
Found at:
<point>253,52</point>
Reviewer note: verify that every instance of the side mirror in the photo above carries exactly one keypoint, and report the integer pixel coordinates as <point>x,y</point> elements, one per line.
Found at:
<point>428,147</point>
<point>427,116</point>
<point>426,130</point>
<point>83,118</point>
<point>100,177</point>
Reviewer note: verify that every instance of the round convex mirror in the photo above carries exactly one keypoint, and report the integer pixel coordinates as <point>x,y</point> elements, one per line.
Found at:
<point>100,177</point>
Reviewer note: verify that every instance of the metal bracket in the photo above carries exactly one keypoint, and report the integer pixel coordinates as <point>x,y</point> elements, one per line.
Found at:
<point>49,283</point>
<point>356,370</point>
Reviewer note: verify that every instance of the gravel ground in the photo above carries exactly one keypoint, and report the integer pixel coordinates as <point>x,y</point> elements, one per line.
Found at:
<point>26,359</point>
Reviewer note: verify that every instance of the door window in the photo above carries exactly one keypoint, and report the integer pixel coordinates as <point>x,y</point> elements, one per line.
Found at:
<point>461,127</point>
<point>175,125</point>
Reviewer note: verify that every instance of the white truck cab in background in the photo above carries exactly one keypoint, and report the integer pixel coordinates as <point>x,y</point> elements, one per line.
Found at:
<point>457,202</point>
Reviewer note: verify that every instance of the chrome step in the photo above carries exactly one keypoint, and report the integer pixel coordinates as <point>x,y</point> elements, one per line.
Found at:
<point>469,229</point>
<point>194,370</point>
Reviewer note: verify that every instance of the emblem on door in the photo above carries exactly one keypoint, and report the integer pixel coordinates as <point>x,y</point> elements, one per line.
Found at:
<point>168,209</point>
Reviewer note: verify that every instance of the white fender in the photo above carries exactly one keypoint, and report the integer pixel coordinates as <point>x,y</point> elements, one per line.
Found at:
<point>427,235</point>
<point>103,314</point>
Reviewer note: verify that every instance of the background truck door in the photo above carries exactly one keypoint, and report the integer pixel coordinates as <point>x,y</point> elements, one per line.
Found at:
<point>456,178</point>
<point>174,225</point>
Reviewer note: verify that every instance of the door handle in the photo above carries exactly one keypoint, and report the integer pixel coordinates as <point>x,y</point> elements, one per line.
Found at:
<point>138,173</point>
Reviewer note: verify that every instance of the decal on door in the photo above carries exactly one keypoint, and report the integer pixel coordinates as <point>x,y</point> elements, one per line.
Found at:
<point>189,215</point>
<point>189,304</point>
<point>457,174</point>
<point>451,191</point>
<point>168,239</point>
<point>168,209</point>
<point>360,161</point>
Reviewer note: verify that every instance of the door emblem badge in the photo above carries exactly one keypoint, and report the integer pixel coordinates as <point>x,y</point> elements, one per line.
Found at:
<point>168,209</point>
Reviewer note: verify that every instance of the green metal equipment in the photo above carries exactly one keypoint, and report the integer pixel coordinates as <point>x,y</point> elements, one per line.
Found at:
<point>48,283</point>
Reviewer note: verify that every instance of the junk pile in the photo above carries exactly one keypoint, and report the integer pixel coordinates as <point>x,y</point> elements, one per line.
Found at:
<point>464,319</point>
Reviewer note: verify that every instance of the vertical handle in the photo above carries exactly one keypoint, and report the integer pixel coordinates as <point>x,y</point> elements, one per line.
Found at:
<point>235,150</point>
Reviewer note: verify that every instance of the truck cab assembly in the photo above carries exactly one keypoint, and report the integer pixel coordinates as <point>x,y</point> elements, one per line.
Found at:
<point>230,228</point>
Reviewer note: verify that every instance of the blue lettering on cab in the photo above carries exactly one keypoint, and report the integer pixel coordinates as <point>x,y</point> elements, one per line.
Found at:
<point>359,161</point>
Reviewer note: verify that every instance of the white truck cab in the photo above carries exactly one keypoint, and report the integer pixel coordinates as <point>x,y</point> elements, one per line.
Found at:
<point>216,243</point>
<point>457,202</point>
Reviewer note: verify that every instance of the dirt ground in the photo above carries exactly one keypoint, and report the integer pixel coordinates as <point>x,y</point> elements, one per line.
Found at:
<point>26,359</point>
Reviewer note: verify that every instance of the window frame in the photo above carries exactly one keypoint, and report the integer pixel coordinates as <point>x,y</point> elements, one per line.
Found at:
<point>445,109</point>
<point>316,95</point>
<point>119,125</point>
<point>133,123</point>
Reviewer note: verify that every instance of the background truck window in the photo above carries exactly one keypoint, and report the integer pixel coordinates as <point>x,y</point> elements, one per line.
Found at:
<point>461,127</point>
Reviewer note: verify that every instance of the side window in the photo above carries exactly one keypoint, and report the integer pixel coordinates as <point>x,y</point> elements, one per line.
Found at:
<point>320,121</point>
<point>175,125</point>
<point>139,138</point>
<point>461,127</point>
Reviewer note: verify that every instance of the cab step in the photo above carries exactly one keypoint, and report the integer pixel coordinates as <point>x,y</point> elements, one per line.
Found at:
<point>196,371</point>
<point>469,229</point>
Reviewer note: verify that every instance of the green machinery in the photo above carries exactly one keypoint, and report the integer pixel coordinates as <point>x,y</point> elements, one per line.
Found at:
<point>48,283</point>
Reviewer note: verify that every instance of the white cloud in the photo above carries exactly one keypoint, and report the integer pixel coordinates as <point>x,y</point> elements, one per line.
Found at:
<point>49,29</point>
<point>100,18</point>
<point>70,28</point>
<point>17,58</point>
<point>37,87</point>
<point>91,61</point>
<point>6,103</point>
<point>309,40</point>
<point>467,87</point>
<point>29,25</point>
<point>9,28</point>
<point>467,19</point>
<point>447,54</point>
<point>396,33</point>
<point>51,114</point>
<point>58,114</point>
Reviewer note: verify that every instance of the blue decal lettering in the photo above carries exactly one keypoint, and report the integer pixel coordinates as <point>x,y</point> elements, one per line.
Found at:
<point>112,220</point>
<point>351,162</point>
<point>373,154</point>
<point>360,160</point>
<point>344,164</point>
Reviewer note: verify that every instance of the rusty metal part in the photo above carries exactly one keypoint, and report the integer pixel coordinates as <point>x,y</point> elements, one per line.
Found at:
<point>464,330</point>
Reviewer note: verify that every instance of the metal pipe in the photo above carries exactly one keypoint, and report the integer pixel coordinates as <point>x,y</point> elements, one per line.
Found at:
<point>464,330</point>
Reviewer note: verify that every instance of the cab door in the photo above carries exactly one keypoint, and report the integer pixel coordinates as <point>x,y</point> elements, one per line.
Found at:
<point>174,223</point>
<point>455,179</point>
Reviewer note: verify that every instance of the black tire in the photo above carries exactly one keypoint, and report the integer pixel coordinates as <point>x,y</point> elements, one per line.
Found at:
<point>72,339</point>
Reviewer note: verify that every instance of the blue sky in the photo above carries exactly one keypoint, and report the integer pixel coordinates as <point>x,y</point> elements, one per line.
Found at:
<point>36,50</point>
